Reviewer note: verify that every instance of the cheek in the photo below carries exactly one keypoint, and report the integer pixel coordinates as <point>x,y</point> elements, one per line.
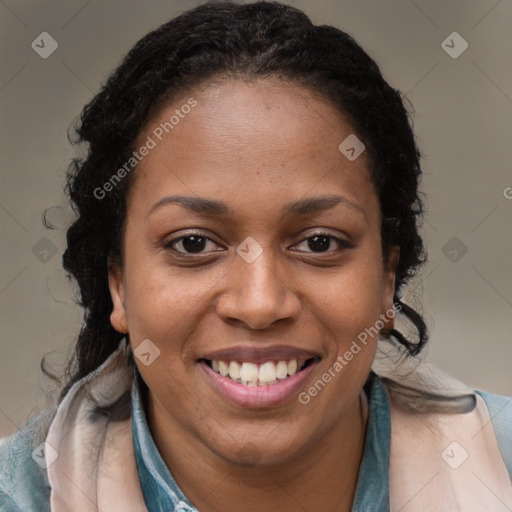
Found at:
<point>352,297</point>
<point>160,299</point>
<point>348,309</point>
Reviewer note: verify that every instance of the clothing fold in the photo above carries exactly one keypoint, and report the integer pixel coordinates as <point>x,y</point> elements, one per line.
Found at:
<point>436,460</point>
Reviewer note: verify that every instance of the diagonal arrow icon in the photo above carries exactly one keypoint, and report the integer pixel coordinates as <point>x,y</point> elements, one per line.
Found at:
<point>249,249</point>
<point>351,147</point>
<point>45,455</point>
<point>44,250</point>
<point>44,45</point>
<point>454,455</point>
<point>146,352</point>
<point>454,45</point>
<point>454,249</point>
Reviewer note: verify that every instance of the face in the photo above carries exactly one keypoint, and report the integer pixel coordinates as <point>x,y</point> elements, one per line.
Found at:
<point>252,262</point>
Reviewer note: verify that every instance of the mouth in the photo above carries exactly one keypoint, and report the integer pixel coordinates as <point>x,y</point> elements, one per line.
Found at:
<point>269,373</point>
<point>258,378</point>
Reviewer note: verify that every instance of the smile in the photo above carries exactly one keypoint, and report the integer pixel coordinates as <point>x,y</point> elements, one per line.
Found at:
<point>263,384</point>
<point>264,374</point>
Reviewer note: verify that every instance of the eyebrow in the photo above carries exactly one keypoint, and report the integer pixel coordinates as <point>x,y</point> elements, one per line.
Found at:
<point>212,207</point>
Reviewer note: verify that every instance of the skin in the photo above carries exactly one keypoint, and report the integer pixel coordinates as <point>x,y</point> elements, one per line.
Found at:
<point>255,146</point>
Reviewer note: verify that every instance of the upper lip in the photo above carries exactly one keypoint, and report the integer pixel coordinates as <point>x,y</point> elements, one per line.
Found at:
<point>252,354</point>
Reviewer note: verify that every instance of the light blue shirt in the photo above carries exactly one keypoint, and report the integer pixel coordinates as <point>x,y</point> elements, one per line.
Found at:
<point>162,494</point>
<point>24,485</point>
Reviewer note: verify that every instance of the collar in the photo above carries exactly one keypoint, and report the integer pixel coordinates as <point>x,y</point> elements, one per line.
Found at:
<point>452,460</point>
<point>162,493</point>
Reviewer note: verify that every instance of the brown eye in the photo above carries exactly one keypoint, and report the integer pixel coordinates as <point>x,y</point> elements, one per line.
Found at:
<point>193,243</point>
<point>319,243</point>
<point>323,242</point>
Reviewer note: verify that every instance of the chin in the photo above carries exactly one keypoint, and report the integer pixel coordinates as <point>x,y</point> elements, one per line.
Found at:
<point>261,451</point>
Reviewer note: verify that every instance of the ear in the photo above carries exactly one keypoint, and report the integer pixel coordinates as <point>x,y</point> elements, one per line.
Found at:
<point>388,289</point>
<point>116,286</point>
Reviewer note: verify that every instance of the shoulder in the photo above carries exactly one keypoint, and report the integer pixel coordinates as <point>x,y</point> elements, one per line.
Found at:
<point>23,477</point>
<point>500,409</point>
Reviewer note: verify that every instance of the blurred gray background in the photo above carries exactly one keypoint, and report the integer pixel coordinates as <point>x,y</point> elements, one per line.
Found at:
<point>463,103</point>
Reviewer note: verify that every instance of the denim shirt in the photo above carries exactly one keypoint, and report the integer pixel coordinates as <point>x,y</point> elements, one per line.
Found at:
<point>162,494</point>
<point>24,485</point>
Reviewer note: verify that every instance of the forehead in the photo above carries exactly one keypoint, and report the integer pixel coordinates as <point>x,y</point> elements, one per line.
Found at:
<point>266,140</point>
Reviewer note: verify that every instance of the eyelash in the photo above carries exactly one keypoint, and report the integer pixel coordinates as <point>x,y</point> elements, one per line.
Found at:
<point>169,244</point>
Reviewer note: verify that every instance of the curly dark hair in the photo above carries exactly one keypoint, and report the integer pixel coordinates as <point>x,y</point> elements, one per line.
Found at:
<point>229,40</point>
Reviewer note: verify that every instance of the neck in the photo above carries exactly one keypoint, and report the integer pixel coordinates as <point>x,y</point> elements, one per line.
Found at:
<point>322,478</point>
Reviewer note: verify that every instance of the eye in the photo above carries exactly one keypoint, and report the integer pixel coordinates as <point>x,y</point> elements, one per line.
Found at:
<point>322,242</point>
<point>191,243</point>
<point>197,243</point>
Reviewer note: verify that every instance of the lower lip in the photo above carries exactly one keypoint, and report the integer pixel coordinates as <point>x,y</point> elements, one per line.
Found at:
<point>257,396</point>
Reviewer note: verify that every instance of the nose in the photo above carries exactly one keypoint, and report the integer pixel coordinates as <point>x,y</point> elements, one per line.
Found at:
<point>258,294</point>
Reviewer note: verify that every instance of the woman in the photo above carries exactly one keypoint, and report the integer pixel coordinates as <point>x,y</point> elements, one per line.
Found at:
<point>246,224</point>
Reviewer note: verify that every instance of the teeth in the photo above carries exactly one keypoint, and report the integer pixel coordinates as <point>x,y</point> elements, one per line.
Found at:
<point>267,372</point>
<point>251,374</point>
<point>281,370</point>
<point>223,368</point>
<point>292,367</point>
<point>234,370</point>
